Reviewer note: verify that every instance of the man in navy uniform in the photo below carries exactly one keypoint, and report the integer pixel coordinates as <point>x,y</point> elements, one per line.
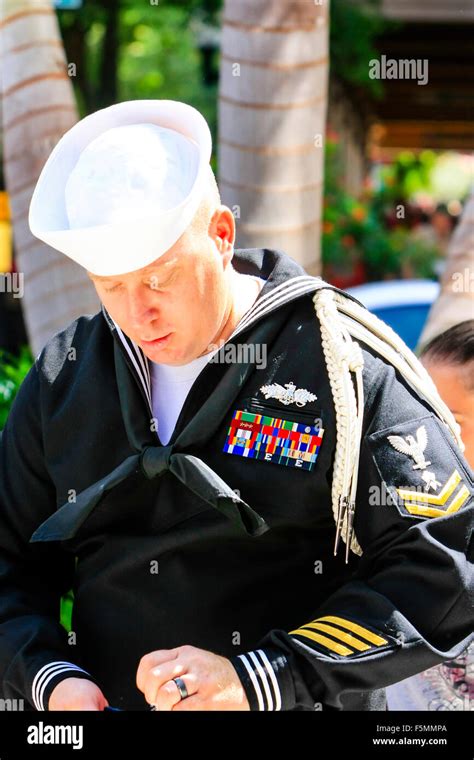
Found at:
<point>191,459</point>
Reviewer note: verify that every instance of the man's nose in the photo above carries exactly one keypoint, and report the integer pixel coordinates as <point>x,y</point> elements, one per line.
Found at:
<point>141,307</point>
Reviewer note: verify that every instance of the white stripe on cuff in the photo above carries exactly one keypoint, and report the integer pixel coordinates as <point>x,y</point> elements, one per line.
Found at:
<point>44,676</point>
<point>253,678</point>
<point>264,669</point>
<point>273,678</point>
<point>264,680</point>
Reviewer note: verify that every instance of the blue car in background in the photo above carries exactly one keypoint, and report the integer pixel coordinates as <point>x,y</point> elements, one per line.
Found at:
<point>402,304</point>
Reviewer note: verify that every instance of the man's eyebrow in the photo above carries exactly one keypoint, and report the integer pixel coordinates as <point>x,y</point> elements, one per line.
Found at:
<point>164,270</point>
<point>101,278</point>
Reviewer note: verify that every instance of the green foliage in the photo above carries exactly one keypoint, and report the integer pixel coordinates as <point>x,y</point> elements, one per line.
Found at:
<point>359,230</point>
<point>408,175</point>
<point>354,29</point>
<point>129,49</point>
<point>159,58</point>
<point>66,610</point>
<point>13,370</point>
<point>418,255</point>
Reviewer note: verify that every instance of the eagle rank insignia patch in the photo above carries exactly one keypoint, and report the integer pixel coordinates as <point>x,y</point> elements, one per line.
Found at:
<point>423,471</point>
<point>273,439</point>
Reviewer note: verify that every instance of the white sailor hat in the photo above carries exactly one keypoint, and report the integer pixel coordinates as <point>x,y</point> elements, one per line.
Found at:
<point>123,184</point>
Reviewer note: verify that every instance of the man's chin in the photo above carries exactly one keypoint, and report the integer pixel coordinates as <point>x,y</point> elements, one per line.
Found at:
<point>166,355</point>
<point>159,355</point>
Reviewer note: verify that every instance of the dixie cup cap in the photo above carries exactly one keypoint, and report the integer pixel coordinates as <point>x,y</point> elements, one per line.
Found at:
<point>123,184</point>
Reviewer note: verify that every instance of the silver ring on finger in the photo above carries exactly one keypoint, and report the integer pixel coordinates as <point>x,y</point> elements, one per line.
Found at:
<point>181,687</point>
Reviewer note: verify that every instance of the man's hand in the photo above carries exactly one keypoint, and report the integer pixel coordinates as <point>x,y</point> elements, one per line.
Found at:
<point>211,680</point>
<point>76,694</point>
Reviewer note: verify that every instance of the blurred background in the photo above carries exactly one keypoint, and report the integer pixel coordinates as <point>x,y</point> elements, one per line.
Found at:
<point>362,175</point>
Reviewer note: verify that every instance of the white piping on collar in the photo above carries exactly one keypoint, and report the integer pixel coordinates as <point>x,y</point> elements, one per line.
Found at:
<point>137,357</point>
<point>283,293</point>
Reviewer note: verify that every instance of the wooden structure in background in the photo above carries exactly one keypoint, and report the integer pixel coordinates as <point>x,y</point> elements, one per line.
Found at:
<point>440,114</point>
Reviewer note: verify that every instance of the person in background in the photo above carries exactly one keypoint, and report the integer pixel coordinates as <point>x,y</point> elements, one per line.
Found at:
<point>449,358</point>
<point>454,303</point>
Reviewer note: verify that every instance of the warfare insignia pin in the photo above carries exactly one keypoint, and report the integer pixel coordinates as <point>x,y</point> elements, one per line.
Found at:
<point>288,394</point>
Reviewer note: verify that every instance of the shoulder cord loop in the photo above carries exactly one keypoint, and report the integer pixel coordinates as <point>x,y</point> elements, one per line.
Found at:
<point>340,318</point>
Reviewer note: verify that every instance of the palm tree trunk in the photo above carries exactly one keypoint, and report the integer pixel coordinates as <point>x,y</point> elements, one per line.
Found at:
<point>38,107</point>
<point>272,113</point>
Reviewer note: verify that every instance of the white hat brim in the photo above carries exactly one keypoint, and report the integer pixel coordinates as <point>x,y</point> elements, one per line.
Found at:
<point>113,249</point>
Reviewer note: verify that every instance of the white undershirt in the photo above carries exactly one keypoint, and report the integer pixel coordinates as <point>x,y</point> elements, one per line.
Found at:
<point>170,385</point>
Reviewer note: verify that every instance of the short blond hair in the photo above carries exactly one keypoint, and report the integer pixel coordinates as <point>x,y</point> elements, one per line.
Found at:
<point>210,201</point>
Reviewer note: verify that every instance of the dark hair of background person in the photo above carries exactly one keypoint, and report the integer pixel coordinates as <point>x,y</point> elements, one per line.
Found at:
<point>454,346</point>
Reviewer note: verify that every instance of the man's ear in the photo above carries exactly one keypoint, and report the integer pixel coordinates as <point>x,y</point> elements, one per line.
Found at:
<point>223,230</point>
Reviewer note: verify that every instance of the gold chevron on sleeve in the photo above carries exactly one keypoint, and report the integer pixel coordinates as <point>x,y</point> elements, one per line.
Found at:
<point>355,628</point>
<point>347,638</point>
<point>352,639</point>
<point>431,505</point>
<point>456,503</point>
<point>333,646</point>
<point>448,488</point>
